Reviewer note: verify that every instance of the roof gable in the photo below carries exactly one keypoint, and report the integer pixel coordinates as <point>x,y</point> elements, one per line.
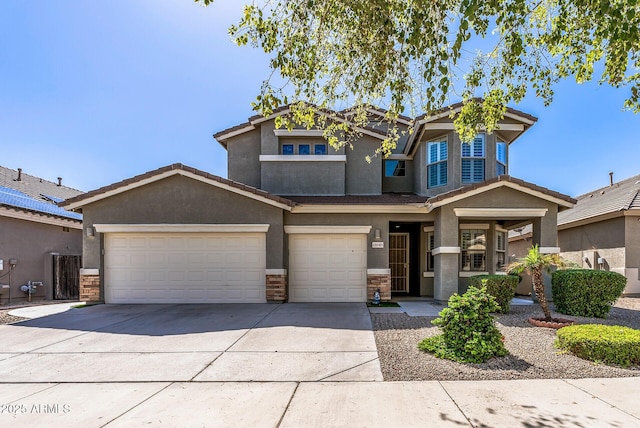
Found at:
<point>224,135</point>
<point>563,201</point>
<point>171,170</point>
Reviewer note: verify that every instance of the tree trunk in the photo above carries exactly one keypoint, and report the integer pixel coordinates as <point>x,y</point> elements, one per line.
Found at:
<point>538,287</point>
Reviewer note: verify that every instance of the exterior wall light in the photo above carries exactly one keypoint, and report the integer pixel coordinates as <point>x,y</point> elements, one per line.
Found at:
<point>376,234</point>
<point>90,231</point>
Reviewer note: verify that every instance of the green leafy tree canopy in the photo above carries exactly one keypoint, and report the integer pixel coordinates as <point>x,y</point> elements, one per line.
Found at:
<point>418,55</point>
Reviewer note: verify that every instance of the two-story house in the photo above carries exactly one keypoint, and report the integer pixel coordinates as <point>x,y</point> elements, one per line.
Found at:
<point>299,221</point>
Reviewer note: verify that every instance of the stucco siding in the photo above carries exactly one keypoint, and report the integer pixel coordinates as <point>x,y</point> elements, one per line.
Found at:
<point>304,178</point>
<point>181,200</point>
<point>31,244</point>
<point>362,177</point>
<point>243,154</point>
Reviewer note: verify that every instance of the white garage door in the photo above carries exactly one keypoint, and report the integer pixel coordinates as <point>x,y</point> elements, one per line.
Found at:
<point>185,267</point>
<point>328,268</point>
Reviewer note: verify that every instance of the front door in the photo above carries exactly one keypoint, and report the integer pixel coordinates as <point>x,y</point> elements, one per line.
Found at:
<point>399,262</point>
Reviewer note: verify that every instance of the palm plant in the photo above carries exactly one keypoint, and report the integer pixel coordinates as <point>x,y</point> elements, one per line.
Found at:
<point>534,263</point>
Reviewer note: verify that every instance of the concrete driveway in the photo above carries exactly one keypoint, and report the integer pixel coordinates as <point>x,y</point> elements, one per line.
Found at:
<point>182,343</point>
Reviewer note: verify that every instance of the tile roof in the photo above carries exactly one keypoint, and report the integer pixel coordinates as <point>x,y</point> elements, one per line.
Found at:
<point>383,199</point>
<point>501,178</point>
<point>168,168</point>
<point>34,194</point>
<point>621,196</point>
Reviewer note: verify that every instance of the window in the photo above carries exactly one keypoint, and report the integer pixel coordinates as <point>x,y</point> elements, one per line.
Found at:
<point>501,250</point>
<point>394,168</point>
<point>287,149</point>
<point>473,160</point>
<point>430,247</point>
<point>501,158</point>
<point>437,154</point>
<point>303,149</point>
<point>474,248</point>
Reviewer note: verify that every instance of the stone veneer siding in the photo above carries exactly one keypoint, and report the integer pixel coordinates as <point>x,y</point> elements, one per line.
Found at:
<point>379,281</point>
<point>90,288</point>
<point>276,288</point>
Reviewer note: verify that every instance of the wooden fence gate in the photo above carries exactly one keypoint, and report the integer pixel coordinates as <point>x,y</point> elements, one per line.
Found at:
<point>66,277</point>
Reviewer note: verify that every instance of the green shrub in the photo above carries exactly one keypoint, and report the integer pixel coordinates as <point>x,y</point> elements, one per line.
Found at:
<point>608,344</point>
<point>586,293</point>
<point>501,287</point>
<point>469,333</point>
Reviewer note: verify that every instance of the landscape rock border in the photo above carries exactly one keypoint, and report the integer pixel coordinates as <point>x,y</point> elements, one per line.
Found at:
<point>555,323</point>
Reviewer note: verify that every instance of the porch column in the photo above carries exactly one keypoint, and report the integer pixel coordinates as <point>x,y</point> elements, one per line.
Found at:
<point>446,255</point>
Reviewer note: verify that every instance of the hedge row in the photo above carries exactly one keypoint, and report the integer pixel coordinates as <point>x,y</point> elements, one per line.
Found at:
<point>608,344</point>
<point>585,292</point>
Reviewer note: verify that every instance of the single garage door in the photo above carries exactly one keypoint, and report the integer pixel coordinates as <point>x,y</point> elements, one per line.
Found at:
<point>185,267</point>
<point>328,267</point>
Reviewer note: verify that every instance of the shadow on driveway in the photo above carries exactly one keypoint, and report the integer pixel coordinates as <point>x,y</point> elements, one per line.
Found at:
<point>163,320</point>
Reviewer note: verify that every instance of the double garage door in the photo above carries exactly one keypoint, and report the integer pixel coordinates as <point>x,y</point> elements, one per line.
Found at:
<point>185,267</point>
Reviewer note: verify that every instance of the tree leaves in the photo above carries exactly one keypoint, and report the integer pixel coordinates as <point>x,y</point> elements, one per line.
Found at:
<point>419,55</point>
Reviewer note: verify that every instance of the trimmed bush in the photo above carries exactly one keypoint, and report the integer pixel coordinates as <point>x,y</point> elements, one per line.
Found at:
<point>469,333</point>
<point>608,344</point>
<point>501,287</point>
<point>586,293</point>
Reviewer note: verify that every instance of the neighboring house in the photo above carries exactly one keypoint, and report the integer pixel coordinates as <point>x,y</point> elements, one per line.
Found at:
<point>298,221</point>
<point>32,227</point>
<point>601,232</point>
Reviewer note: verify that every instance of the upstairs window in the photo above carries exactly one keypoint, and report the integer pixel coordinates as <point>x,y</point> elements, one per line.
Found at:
<point>303,149</point>
<point>473,160</point>
<point>319,149</point>
<point>501,158</point>
<point>394,168</point>
<point>437,155</point>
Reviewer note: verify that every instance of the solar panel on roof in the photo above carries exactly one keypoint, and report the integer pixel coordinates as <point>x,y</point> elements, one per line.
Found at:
<point>15,198</point>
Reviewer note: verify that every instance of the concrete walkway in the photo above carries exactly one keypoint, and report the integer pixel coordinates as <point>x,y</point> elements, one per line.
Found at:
<point>43,310</point>
<point>518,403</point>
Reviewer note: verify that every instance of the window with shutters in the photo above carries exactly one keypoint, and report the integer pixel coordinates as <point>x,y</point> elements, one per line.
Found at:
<point>473,155</point>
<point>437,155</point>
<point>473,249</point>
<point>501,158</point>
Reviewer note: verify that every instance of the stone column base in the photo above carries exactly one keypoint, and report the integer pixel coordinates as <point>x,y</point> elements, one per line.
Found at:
<point>379,279</point>
<point>90,285</point>
<point>276,280</point>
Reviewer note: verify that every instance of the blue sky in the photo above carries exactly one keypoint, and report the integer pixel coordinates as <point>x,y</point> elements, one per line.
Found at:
<point>96,92</point>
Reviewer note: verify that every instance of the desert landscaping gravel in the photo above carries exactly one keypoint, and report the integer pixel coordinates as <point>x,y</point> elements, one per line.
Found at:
<point>5,318</point>
<point>532,354</point>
